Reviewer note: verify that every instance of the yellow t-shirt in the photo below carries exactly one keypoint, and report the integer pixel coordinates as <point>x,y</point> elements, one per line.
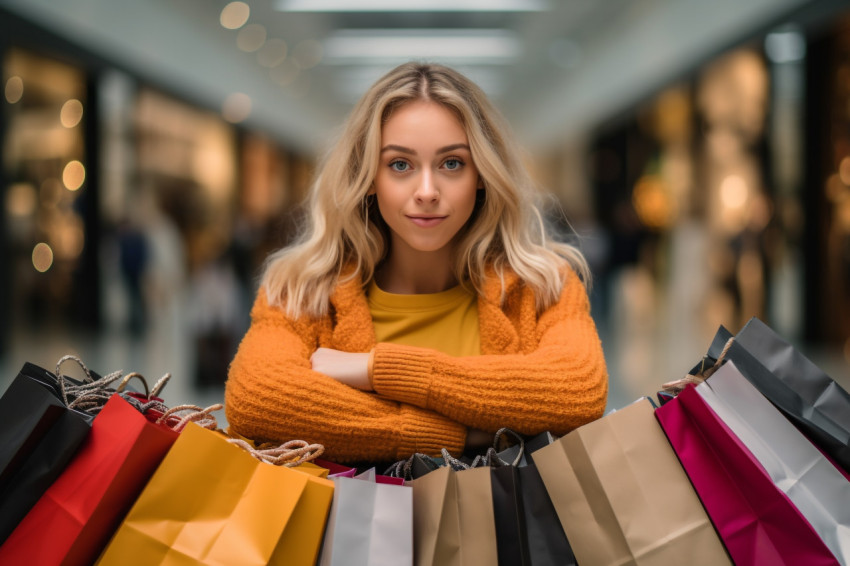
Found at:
<point>446,321</point>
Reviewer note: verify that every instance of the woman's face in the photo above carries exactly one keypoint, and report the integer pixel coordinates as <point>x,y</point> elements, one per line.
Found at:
<point>426,181</point>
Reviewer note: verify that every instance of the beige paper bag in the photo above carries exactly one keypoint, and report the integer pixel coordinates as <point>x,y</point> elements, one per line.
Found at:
<point>453,521</point>
<point>436,524</point>
<point>477,526</point>
<point>622,496</point>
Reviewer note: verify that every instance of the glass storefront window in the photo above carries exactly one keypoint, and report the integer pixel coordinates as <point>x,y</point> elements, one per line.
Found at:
<point>45,169</point>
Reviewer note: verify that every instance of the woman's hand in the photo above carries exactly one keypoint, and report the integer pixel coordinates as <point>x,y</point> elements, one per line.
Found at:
<point>349,368</point>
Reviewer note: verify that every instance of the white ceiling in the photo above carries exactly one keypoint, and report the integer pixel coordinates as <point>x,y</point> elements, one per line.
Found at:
<point>578,61</point>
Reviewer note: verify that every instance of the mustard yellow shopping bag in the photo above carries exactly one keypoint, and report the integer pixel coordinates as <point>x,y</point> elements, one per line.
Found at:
<point>213,503</point>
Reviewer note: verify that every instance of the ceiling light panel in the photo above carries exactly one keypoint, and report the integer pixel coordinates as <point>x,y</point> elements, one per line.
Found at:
<point>469,45</point>
<point>411,5</point>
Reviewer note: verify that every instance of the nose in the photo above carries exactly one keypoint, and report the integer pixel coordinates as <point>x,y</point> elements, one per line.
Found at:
<point>426,190</point>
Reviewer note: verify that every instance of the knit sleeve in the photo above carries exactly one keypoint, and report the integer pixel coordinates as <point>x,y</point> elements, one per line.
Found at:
<point>272,394</point>
<point>560,385</point>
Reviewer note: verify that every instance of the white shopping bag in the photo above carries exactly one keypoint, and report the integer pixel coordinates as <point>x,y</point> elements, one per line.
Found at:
<point>369,524</point>
<point>811,482</point>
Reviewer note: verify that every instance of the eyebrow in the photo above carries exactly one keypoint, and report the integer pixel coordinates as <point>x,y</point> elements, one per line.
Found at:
<point>402,149</point>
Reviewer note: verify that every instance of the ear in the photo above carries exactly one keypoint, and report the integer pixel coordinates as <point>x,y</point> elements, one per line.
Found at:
<point>480,183</point>
<point>371,190</point>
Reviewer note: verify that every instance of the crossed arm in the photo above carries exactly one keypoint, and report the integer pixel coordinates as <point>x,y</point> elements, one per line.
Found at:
<point>282,386</point>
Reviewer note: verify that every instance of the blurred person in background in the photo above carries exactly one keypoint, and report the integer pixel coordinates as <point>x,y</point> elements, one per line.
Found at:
<point>133,254</point>
<point>425,305</point>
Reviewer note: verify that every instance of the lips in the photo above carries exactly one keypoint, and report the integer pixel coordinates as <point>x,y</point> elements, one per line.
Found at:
<point>426,221</point>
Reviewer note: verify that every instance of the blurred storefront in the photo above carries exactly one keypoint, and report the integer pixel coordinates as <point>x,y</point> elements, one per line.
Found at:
<point>726,196</point>
<point>50,197</point>
<point>130,211</point>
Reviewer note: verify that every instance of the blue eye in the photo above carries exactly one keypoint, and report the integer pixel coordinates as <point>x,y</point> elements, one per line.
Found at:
<point>399,166</point>
<point>453,164</point>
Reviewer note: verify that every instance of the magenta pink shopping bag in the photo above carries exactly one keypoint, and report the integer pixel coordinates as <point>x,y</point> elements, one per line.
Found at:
<point>756,521</point>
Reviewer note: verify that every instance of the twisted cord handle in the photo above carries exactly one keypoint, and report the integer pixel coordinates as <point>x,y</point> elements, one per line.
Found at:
<point>492,456</point>
<point>289,454</point>
<point>60,379</point>
<point>159,385</point>
<point>126,379</point>
<point>404,468</point>
<point>675,387</point>
<point>200,416</point>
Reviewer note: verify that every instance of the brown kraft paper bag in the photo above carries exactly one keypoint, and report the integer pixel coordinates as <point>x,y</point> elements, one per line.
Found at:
<point>622,496</point>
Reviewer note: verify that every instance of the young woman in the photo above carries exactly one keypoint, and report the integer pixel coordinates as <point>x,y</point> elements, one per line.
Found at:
<point>424,306</point>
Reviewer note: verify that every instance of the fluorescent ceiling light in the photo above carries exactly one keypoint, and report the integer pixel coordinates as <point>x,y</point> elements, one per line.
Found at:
<point>411,5</point>
<point>468,45</point>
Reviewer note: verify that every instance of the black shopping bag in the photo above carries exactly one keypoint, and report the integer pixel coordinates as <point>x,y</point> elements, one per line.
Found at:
<point>38,437</point>
<point>528,529</point>
<point>509,514</point>
<point>547,542</point>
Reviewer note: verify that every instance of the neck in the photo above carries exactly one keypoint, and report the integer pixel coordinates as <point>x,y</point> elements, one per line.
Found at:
<point>416,274</point>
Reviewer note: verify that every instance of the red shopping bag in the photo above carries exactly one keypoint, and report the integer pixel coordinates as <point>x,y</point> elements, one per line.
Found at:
<point>76,516</point>
<point>756,521</point>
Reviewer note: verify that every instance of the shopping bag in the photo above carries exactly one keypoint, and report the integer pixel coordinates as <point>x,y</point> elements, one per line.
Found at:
<point>212,502</point>
<point>801,390</point>
<point>301,540</point>
<point>302,537</point>
<point>370,523</point>
<point>623,498</point>
<point>38,438</point>
<point>520,525</point>
<point>509,516</point>
<point>527,526</point>
<point>336,470</point>
<point>547,542</point>
<point>312,469</point>
<point>756,521</point>
<point>818,490</point>
<point>476,517</point>
<point>71,523</point>
<point>436,522</point>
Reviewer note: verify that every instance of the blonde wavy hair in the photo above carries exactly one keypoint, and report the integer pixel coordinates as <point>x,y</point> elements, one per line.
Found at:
<point>345,236</point>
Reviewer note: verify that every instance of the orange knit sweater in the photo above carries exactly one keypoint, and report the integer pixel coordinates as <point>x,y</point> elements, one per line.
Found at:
<point>535,373</point>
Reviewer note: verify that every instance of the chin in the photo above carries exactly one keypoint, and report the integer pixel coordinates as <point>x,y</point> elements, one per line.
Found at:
<point>427,247</point>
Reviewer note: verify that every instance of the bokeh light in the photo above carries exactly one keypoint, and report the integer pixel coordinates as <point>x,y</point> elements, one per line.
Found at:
<point>273,53</point>
<point>236,107</point>
<point>234,15</point>
<point>42,257</point>
<point>21,200</point>
<point>733,192</point>
<point>251,38</point>
<point>14,89</point>
<point>844,171</point>
<point>73,175</point>
<point>652,202</point>
<point>68,237</point>
<point>71,113</point>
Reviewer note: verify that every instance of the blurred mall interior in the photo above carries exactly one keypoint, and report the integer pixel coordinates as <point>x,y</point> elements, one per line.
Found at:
<point>154,152</point>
